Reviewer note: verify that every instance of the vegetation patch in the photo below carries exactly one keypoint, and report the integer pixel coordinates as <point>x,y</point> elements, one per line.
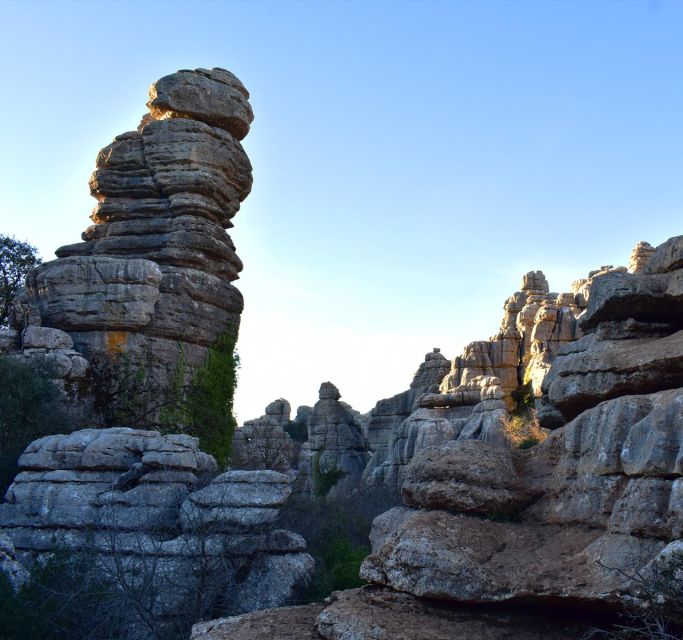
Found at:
<point>323,481</point>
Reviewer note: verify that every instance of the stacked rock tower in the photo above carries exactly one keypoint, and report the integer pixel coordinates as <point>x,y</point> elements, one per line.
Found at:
<point>152,277</point>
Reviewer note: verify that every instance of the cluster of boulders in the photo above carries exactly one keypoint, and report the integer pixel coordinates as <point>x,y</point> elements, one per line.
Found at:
<point>151,281</point>
<point>138,505</point>
<point>471,397</point>
<point>589,518</point>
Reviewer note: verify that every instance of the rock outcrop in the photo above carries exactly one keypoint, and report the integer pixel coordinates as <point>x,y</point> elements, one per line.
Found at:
<point>535,325</point>
<point>146,504</point>
<point>388,414</point>
<point>52,349</point>
<point>152,279</point>
<point>469,398</point>
<point>337,447</point>
<point>373,613</point>
<point>586,520</point>
<point>633,341</point>
<point>263,443</point>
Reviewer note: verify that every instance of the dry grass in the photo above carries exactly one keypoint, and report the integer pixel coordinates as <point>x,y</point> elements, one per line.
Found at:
<point>523,431</point>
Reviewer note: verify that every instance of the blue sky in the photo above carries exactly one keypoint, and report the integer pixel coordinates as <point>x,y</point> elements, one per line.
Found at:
<point>411,159</point>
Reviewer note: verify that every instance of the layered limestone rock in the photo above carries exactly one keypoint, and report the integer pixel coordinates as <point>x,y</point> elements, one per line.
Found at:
<point>338,448</point>
<point>146,502</point>
<point>633,340</point>
<point>152,279</point>
<point>576,518</point>
<point>535,325</point>
<point>263,443</point>
<point>388,414</point>
<point>585,520</point>
<point>49,348</point>
<point>640,257</point>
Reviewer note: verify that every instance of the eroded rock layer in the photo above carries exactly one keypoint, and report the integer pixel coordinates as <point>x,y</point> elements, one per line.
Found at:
<point>587,520</point>
<point>138,504</point>
<point>152,277</point>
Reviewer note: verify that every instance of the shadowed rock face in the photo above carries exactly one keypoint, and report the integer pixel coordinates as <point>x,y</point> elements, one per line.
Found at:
<point>135,498</point>
<point>153,274</point>
<point>336,441</point>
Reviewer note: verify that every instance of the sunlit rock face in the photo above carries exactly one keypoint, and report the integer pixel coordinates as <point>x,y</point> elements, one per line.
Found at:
<point>535,324</point>
<point>153,275</point>
<point>633,337</point>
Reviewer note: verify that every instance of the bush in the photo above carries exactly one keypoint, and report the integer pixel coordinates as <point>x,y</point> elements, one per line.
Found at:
<point>337,532</point>
<point>16,260</point>
<point>662,617</point>
<point>524,431</point>
<point>59,602</point>
<point>210,399</point>
<point>31,406</point>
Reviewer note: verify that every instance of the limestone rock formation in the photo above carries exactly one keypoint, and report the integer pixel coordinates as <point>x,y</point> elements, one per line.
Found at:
<point>263,443</point>
<point>640,257</point>
<point>582,521</point>
<point>152,279</point>
<point>145,502</point>
<point>388,415</point>
<point>633,340</point>
<point>51,348</point>
<point>373,613</point>
<point>604,503</point>
<point>535,325</point>
<point>338,448</point>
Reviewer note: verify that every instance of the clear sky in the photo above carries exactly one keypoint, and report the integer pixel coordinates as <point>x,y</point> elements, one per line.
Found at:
<point>411,159</point>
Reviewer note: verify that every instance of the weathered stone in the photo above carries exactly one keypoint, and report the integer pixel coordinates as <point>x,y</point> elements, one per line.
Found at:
<point>640,257</point>
<point>592,370</point>
<point>667,257</point>
<point>128,500</point>
<point>373,613</point>
<point>466,476</point>
<point>387,415</point>
<point>214,96</point>
<point>13,570</point>
<point>45,338</point>
<point>262,443</point>
<point>153,273</point>
<point>336,441</point>
<point>288,623</point>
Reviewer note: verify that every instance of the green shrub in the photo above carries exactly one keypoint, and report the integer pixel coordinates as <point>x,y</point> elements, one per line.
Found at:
<point>323,481</point>
<point>209,405</point>
<point>336,531</point>
<point>31,406</point>
<point>298,431</point>
<point>59,602</point>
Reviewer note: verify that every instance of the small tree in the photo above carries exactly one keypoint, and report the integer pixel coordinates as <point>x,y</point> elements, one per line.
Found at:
<point>16,260</point>
<point>31,406</point>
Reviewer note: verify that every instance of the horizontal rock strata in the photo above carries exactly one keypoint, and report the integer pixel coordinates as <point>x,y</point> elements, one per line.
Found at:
<point>153,274</point>
<point>137,499</point>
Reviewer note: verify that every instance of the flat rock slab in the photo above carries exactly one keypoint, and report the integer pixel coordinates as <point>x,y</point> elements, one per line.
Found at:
<point>287,623</point>
<point>380,614</point>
